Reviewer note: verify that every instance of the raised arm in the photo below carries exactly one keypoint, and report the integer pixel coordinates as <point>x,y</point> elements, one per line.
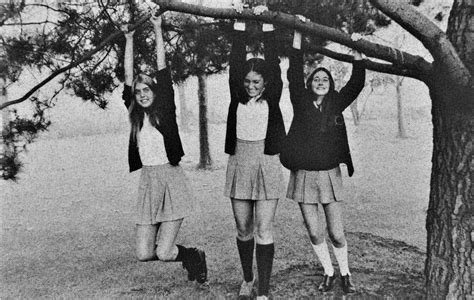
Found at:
<point>355,84</point>
<point>295,75</point>
<point>236,65</point>
<point>275,84</point>
<point>160,44</point>
<point>128,66</point>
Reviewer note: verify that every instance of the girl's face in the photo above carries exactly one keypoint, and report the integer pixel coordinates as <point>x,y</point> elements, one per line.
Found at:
<point>144,95</point>
<point>254,84</point>
<point>320,83</point>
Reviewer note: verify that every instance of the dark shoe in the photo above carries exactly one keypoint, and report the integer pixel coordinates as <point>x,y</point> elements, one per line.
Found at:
<point>347,285</point>
<point>187,264</point>
<point>327,284</point>
<point>200,266</point>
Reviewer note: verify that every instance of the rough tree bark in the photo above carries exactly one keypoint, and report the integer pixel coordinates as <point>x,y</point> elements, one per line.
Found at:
<point>449,223</point>
<point>449,220</point>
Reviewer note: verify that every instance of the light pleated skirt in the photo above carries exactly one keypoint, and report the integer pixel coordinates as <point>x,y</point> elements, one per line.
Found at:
<point>163,195</point>
<point>252,175</point>
<point>316,186</point>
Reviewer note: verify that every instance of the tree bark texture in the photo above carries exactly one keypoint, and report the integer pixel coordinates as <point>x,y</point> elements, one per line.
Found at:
<point>461,31</point>
<point>449,223</point>
<point>204,153</point>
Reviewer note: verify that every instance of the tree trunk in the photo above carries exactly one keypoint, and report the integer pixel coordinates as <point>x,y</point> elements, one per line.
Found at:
<point>4,99</point>
<point>204,153</point>
<point>400,116</point>
<point>355,112</point>
<point>449,222</point>
<point>183,108</point>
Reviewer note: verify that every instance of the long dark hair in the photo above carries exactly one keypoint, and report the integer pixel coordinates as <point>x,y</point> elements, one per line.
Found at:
<point>309,80</point>
<point>325,120</point>
<point>259,66</point>
<point>137,112</point>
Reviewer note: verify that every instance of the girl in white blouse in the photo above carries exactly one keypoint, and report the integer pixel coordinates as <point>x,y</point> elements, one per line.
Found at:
<point>155,147</point>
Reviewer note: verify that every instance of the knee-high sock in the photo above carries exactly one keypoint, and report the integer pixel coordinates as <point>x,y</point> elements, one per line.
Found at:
<point>342,261</point>
<point>246,257</point>
<point>322,252</point>
<point>264,255</point>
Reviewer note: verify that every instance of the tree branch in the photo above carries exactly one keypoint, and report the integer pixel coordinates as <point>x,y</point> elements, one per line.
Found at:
<point>430,35</point>
<point>395,56</point>
<point>84,58</point>
<point>31,23</point>
<point>369,64</point>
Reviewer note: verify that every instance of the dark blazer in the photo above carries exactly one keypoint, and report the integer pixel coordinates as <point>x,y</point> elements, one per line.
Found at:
<point>164,93</point>
<point>272,93</point>
<point>317,140</point>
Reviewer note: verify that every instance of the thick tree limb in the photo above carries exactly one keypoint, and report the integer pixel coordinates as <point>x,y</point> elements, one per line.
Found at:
<point>396,57</point>
<point>84,58</point>
<point>369,64</point>
<point>433,38</point>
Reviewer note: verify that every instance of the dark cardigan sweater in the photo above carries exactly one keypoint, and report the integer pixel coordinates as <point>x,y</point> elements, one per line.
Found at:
<point>164,94</point>
<point>317,140</point>
<point>272,93</point>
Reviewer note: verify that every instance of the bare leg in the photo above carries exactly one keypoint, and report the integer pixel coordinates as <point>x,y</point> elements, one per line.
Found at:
<point>166,249</point>
<point>317,236</point>
<point>335,224</point>
<point>146,242</point>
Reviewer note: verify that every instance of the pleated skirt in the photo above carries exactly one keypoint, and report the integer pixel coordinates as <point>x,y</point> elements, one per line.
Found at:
<point>163,195</point>
<point>316,186</point>
<point>252,175</point>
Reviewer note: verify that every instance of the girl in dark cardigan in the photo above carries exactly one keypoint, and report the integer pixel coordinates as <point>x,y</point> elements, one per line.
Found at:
<point>315,146</point>
<point>155,147</point>
<point>254,134</point>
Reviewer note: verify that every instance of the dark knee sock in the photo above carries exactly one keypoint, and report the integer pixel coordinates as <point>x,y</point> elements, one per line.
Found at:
<point>246,257</point>
<point>183,253</point>
<point>264,255</point>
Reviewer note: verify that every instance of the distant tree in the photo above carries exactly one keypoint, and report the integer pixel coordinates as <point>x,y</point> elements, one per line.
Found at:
<point>199,47</point>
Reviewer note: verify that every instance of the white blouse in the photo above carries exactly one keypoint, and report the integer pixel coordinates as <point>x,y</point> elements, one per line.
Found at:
<point>151,146</point>
<point>252,120</point>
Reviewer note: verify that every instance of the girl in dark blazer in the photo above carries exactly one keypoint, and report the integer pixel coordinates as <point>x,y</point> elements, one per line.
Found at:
<point>315,146</point>
<point>155,148</point>
<point>255,131</point>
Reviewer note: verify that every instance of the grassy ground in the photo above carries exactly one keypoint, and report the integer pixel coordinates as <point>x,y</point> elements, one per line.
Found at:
<point>67,228</point>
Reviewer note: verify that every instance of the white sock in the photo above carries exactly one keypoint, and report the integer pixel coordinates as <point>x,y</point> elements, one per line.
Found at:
<point>322,252</point>
<point>341,257</point>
